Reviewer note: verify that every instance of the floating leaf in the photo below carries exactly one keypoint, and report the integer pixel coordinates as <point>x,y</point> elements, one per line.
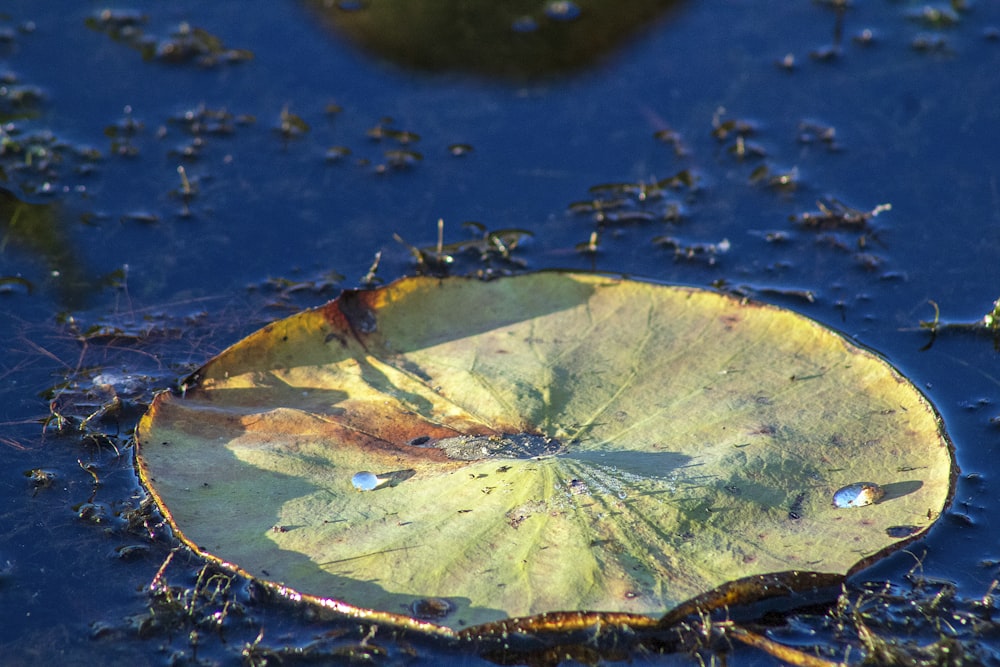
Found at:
<point>467,452</point>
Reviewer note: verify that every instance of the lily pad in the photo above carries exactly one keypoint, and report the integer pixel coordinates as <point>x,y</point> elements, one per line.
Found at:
<point>550,442</point>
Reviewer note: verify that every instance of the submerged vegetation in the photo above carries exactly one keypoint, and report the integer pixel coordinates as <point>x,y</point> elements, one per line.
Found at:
<point>987,325</point>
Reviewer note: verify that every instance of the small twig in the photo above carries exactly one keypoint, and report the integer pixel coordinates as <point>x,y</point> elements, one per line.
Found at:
<point>788,654</point>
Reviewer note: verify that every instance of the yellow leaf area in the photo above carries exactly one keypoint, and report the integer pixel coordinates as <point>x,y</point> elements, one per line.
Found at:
<point>636,445</point>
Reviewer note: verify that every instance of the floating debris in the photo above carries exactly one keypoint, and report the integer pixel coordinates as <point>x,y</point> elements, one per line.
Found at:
<point>647,190</point>
<point>399,159</point>
<point>18,100</point>
<point>784,181</point>
<point>834,214</point>
<point>866,37</point>
<point>204,120</point>
<point>459,150</point>
<point>188,188</point>
<point>858,495</point>
<point>743,149</point>
<point>131,551</point>
<point>371,278</point>
<point>291,125</point>
<point>120,25</point>
<point>192,44</point>
<point>431,608</point>
<point>624,217</point>
<point>322,283</point>
<point>988,324</point>
<point>773,235</point>
<point>123,133</point>
<point>40,478</point>
<point>337,153</point>
<point>590,246</point>
<point>499,446</point>
<point>991,320</point>
<point>869,261</point>
<point>723,129</point>
<point>489,248</point>
<point>930,44</point>
<point>627,203</point>
<point>383,131</point>
<point>142,217</point>
<point>814,132</point>
<point>735,132</point>
<point>671,138</point>
<point>598,207</point>
<point>684,250</point>
<point>827,53</point>
<point>935,17</point>
<point>186,44</point>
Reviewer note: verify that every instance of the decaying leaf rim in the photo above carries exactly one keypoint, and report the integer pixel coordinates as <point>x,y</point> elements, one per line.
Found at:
<point>737,592</point>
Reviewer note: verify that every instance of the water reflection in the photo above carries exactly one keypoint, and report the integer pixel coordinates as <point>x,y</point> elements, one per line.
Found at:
<point>516,39</point>
<point>39,230</point>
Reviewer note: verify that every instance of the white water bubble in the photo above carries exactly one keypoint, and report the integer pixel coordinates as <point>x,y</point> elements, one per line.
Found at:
<point>365,481</point>
<point>858,495</point>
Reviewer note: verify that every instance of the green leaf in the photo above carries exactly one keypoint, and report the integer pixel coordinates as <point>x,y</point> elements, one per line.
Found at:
<point>549,442</point>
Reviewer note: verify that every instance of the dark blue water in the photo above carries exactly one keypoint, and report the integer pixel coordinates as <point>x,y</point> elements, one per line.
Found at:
<point>115,245</point>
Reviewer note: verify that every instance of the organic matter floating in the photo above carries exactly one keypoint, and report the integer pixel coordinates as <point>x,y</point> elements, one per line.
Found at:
<point>543,443</point>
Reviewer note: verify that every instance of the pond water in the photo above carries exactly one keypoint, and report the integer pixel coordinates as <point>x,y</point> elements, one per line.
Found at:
<point>175,175</point>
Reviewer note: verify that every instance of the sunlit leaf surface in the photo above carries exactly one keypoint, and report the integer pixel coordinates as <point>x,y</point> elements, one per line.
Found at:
<point>470,451</point>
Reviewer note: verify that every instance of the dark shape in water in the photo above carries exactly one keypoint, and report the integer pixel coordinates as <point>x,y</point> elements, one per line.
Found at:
<point>39,230</point>
<point>518,39</point>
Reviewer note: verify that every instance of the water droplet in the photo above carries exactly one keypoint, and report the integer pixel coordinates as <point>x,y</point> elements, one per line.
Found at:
<point>858,495</point>
<point>365,481</point>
